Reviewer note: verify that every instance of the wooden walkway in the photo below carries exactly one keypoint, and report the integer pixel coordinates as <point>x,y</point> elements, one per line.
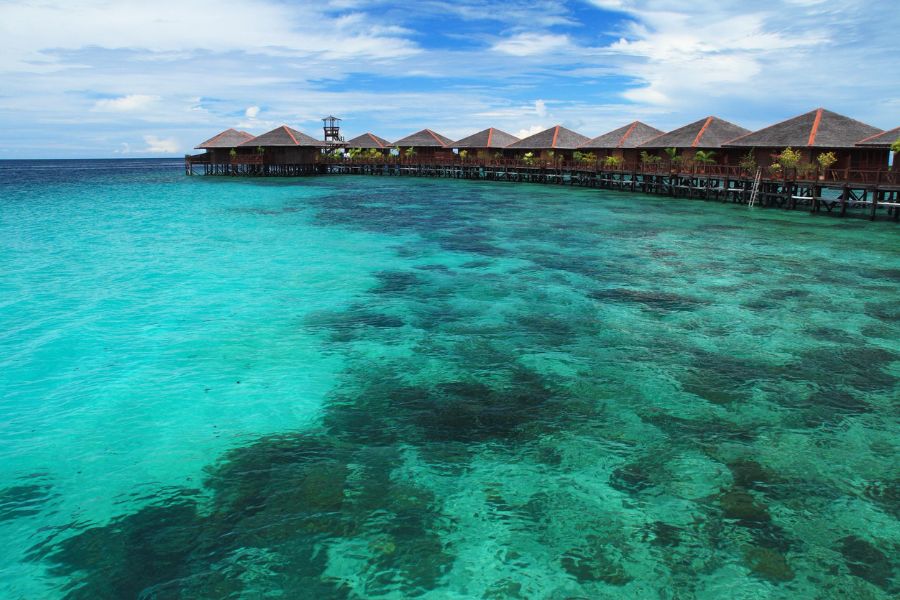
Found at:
<point>842,192</point>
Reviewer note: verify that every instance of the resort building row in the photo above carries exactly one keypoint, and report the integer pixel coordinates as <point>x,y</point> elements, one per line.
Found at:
<point>817,138</point>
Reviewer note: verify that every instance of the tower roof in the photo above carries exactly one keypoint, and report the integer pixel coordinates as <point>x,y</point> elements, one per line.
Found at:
<point>709,132</point>
<point>818,128</point>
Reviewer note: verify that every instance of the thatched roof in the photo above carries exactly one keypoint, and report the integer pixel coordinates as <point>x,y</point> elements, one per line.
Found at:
<point>487,138</point>
<point>881,140</point>
<point>368,140</point>
<point>629,136</point>
<point>555,138</point>
<point>818,128</point>
<point>710,132</point>
<point>424,139</point>
<point>286,136</point>
<point>226,139</point>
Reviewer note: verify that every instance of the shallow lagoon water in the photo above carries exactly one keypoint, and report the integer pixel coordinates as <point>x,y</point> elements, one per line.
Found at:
<point>353,387</point>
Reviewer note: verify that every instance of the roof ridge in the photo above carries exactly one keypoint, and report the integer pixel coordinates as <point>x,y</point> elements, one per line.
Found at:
<point>815,127</point>
<point>374,139</point>
<point>490,134</point>
<point>701,132</point>
<point>436,138</point>
<point>625,137</point>
<point>288,131</point>
<point>879,134</point>
<point>555,135</point>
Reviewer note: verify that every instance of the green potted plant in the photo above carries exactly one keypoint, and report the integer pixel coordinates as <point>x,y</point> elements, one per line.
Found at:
<point>649,160</point>
<point>826,160</point>
<point>748,162</point>
<point>587,158</point>
<point>612,162</point>
<point>674,160</point>
<point>528,158</point>
<point>789,158</point>
<point>705,157</point>
<point>232,154</point>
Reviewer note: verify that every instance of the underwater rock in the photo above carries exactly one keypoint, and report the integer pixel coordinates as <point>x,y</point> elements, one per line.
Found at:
<point>866,561</point>
<point>395,282</point>
<point>350,324</point>
<point>785,294</point>
<point>631,477</point>
<point>152,547</point>
<point>665,534</point>
<point>885,494</point>
<point>712,387</point>
<point>750,474</point>
<point>768,563</point>
<point>24,500</point>
<point>862,367</point>
<point>595,562</point>
<point>650,300</point>
<point>283,497</point>
<point>545,330</point>
<point>503,589</point>
<point>739,504</point>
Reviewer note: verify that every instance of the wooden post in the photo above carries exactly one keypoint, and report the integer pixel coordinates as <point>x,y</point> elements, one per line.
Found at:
<point>845,191</point>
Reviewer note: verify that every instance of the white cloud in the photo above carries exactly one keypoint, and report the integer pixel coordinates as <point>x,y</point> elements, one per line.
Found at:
<point>31,28</point>
<point>129,103</point>
<point>158,145</point>
<point>531,44</point>
<point>525,132</point>
<point>679,53</point>
<point>184,71</point>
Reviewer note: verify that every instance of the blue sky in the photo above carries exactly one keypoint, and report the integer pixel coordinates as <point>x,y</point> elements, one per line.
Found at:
<point>102,78</point>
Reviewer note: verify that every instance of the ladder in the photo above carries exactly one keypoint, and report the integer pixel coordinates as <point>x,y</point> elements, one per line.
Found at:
<point>754,191</point>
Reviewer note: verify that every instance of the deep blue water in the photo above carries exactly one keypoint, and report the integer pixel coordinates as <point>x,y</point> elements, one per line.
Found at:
<point>365,387</point>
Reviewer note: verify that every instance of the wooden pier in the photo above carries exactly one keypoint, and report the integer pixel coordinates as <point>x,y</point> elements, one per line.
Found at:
<point>838,191</point>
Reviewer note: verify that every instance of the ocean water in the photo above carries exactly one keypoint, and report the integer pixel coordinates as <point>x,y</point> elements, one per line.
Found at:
<point>364,387</point>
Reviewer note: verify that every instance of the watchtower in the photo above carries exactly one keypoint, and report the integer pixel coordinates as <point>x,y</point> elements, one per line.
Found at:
<point>332,129</point>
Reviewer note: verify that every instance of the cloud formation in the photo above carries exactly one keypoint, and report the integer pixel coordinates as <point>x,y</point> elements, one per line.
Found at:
<point>129,103</point>
<point>106,74</point>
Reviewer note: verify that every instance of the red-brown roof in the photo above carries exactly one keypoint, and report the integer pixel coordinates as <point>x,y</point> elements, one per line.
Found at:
<point>226,139</point>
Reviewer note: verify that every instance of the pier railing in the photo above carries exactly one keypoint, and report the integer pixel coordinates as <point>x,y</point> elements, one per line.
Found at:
<point>848,175</point>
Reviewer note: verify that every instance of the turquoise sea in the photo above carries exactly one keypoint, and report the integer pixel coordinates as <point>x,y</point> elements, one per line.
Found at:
<point>366,387</point>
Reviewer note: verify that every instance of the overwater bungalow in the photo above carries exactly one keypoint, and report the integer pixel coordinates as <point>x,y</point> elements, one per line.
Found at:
<point>218,148</point>
<point>549,145</point>
<point>622,142</point>
<point>486,143</point>
<point>880,143</point>
<point>425,144</point>
<point>811,134</point>
<point>368,145</point>
<point>284,146</point>
<point>707,134</point>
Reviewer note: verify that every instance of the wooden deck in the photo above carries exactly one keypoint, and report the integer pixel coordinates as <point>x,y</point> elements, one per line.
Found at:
<point>869,193</point>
